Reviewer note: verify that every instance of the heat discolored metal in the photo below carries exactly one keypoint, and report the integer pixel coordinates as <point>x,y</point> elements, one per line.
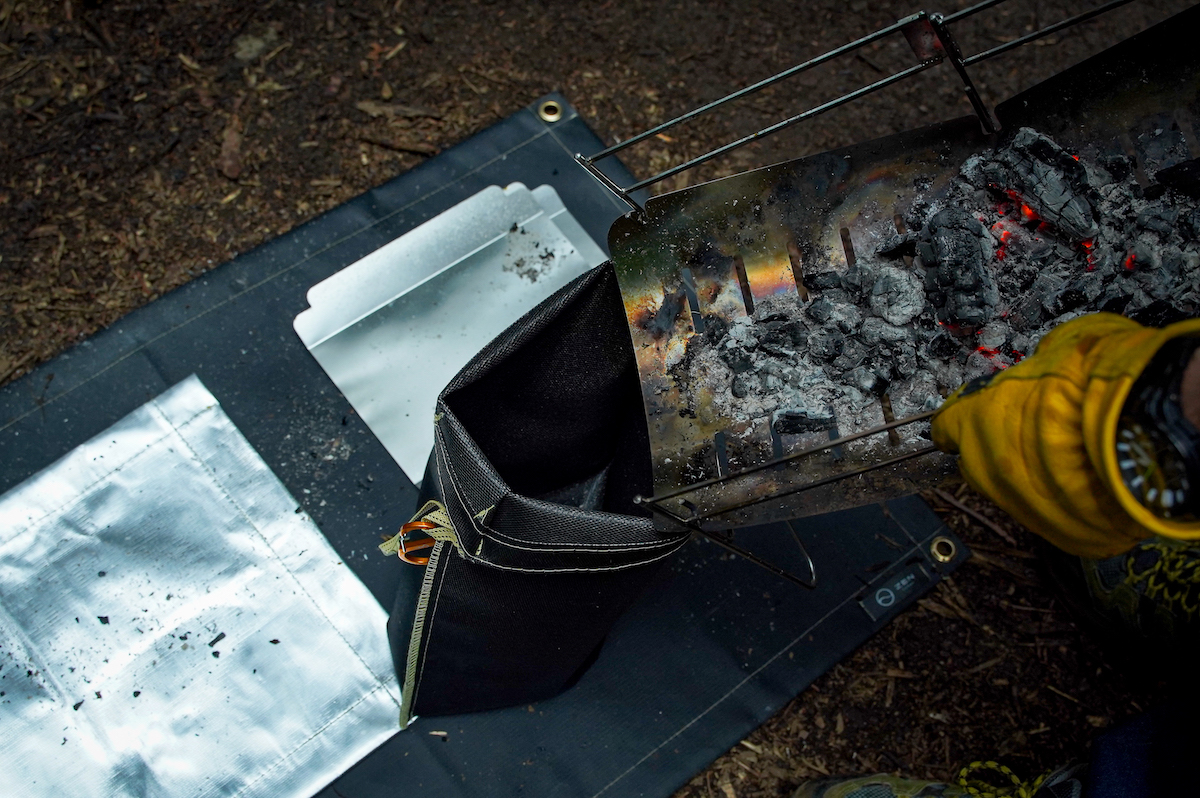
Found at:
<point>941,207</point>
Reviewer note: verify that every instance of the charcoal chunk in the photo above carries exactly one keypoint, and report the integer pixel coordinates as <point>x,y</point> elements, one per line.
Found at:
<point>843,315</point>
<point>958,280</point>
<point>736,358</point>
<point>898,246</point>
<point>1044,176</point>
<point>715,329</point>
<point>1158,219</point>
<point>745,384</point>
<point>867,380</point>
<point>826,344</point>
<point>897,295</point>
<point>1117,165</point>
<point>794,421</point>
<point>875,330</point>
<point>821,281</point>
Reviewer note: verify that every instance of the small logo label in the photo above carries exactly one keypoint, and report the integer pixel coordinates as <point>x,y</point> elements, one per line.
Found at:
<point>884,597</point>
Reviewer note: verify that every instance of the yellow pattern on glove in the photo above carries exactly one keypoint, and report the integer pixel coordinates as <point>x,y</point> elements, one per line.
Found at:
<point>1040,438</point>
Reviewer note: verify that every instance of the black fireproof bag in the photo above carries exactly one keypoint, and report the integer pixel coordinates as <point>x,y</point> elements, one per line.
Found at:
<point>540,447</point>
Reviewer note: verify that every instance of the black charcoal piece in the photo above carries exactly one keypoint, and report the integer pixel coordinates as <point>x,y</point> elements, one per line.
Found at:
<point>1158,219</point>
<point>825,344</point>
<point>745,384</point>
<point>715,328</point>
<point>957,276</point>
<point>1045,177</point>
<point>1159,314</point>
<point>1191,224</point>
<point>875,330</point>
<point>794,421</point>
<point>898,246</point>
<point>737,358</point>
<point>1046,290</point>
<point>843,315</point>
<point>1117,165</point>
<point>821,281</point>
<point>897,295</point>
<point>866,380</point>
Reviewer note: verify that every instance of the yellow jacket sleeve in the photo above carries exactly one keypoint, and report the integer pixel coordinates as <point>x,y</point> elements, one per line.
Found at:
<point>1040,438</point>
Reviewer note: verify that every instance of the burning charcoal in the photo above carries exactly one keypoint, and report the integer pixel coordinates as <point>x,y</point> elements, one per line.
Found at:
<point>994,335</point>
<point>1023,344</point>
<point>1158,219</point>
<point>954,250</point>
<point>981,364</point>
<point>898,246</point>
<point>821,281</point>
<point>875,330</point>
<point>897,295</point>
<point>737,358</point>
<point>1046,177</point>
<point>843,315</point>
<point>866,380</point>
<point>1182,177</point>
<point>825,344</point>
<point>1143,255</point>
<point>797,420</point>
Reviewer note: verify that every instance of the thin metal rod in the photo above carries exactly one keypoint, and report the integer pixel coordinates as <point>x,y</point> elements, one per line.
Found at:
<point>816,484</point>
<point>975,9</point>
<point>762,84</point>
<point>760,562</point>
<point>778,126</point>
<point>956,60</point>
<point>707,483</point>
<point>608,183</point>
<point>1037,34</point>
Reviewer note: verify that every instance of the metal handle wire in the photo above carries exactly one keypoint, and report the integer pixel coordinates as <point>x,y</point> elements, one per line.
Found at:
<point>932,42</point>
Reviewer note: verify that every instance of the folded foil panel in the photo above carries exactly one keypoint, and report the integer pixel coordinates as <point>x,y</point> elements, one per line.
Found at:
<point>393,328</point>
<point>172,624</point>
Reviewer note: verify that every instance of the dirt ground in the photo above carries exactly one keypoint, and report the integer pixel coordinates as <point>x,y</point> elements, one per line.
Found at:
<point>147,142</point>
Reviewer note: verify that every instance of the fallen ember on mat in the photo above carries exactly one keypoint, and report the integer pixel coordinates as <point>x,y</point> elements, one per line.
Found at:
<point>1029,236</point>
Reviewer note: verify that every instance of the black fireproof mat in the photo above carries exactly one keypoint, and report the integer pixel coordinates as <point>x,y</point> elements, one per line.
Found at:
<point>711,650</point>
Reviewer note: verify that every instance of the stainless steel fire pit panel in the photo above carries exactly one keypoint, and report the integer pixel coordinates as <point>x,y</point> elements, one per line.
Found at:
<point>392,329</point>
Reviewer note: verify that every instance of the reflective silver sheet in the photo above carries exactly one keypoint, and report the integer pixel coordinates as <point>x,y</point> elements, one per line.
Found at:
<point>393,328</point>
<point>171,626</point>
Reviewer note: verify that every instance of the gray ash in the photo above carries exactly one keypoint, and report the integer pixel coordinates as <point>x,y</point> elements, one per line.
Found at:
<point>1027,237</point>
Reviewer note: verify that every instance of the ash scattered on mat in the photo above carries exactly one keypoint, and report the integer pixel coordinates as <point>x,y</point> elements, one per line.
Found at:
<point>1029,236</point>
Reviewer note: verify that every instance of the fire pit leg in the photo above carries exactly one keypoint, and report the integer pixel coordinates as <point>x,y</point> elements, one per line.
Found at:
<point>956,60</point>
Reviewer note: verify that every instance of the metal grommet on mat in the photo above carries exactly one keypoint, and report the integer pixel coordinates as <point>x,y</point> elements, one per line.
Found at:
<point>943,549</point>
<point>550,111</point>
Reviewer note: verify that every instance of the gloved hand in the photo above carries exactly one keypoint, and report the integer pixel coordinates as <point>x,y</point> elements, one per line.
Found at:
<point>1039,439</point>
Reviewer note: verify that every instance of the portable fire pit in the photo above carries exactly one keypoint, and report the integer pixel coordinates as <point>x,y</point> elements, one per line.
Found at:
<point>796,326</point>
